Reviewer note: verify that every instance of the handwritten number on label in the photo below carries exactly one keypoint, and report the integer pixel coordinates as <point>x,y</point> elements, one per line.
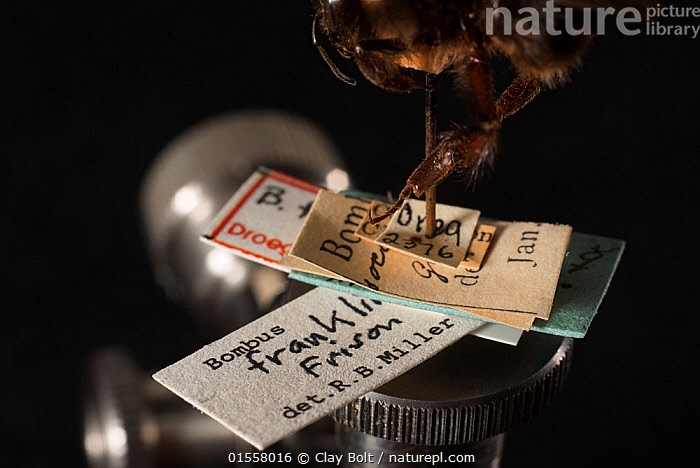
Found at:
<point>426,244</point>
<point>391,238</point>
<point>444,253</point>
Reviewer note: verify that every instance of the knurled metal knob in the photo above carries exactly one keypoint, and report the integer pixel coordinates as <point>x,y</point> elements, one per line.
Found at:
<point>471,391</point>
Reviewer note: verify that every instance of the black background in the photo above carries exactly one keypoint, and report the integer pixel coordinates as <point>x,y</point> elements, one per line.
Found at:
<point>90,95</point>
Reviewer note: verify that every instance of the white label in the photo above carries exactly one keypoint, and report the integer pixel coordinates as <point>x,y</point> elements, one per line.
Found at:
<point>262,219</point>
<point>304,360</point>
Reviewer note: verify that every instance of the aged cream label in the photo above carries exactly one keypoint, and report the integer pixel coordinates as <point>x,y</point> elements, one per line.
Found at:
<point>454,227</point>
<point>520,274</point>
<point>262,219</point>
<point>304,360</point>
<point>518,320</point>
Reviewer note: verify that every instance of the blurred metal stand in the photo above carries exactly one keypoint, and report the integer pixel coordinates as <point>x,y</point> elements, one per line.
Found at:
<point>461,402</point>
<point>191,180</point>
<point>131,421</point>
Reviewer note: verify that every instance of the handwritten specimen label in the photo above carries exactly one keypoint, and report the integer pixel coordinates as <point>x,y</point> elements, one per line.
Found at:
<point>304,360</point>
<point>290,192</point>
<point>476,251</point>
<point>520,276</point>
<point>579,293</point>
<point>454,227</point>
<point>261,221</point>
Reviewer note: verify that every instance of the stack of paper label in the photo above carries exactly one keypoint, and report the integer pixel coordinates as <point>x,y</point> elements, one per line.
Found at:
<point>518,274</point>
<point>375,317</point>
<point>506,272</point>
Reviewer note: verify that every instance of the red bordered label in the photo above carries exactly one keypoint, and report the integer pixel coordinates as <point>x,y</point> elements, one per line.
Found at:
<point>262,219</point>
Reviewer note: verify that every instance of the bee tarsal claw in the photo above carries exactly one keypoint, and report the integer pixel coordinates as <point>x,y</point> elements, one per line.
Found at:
<point>405,193</point>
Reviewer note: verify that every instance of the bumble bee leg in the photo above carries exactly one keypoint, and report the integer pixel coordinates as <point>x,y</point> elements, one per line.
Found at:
<point>473,150</point>
<point>470,149</point>
<point>462,148</point>
<point>403,196</point>
<point>519,94</point>
<point>385,74</point>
